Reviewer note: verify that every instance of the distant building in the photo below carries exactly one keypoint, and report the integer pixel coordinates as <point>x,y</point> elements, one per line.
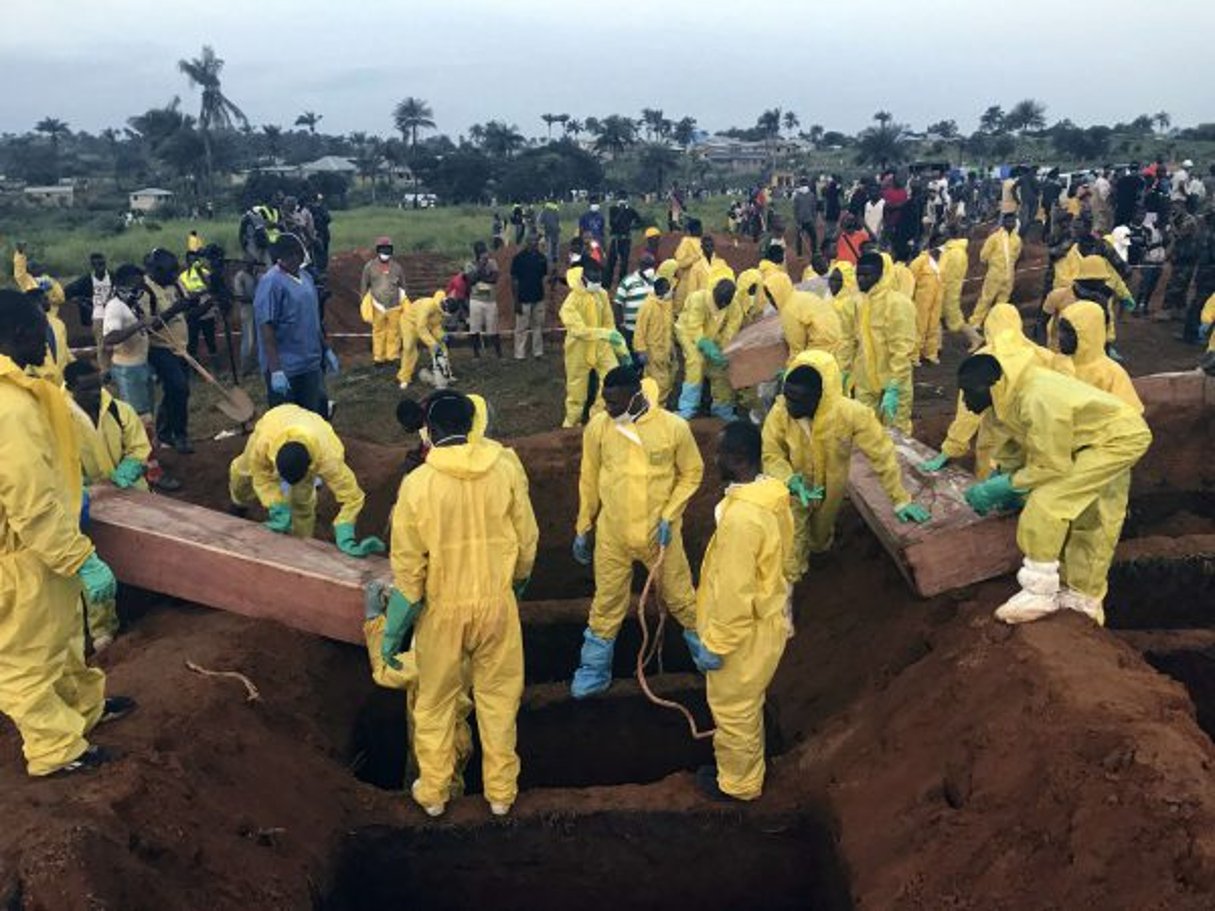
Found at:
<point>62,196</point>
<point>149,199</point>
<point>328,164</point>
<point>740,155</point>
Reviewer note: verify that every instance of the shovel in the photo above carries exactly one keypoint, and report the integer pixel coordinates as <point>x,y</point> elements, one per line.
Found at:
<point>234,403</point>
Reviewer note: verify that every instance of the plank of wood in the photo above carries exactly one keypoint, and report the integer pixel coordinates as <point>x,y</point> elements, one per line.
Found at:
<point>757,353</point>
<point>957,547</point>
<point>220,561</point>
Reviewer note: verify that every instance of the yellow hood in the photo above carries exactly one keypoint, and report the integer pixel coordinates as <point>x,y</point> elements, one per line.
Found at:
<point>480,419</point>
<point>1088,319</point>
<point>887,280</point>
<point>573,278</point>
<point>667,269</point>
<point>958,243</point>
<point>848,271</point>
<point>1017,358</point>
<point>750,303</point>
<point>766,493</point>
<point>780,287</point>
<point>1004,319</point>
<point>825,364</point>
<point>470,460</point>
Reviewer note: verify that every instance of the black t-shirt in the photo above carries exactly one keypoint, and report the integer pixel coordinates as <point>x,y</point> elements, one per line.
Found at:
<point>528,268</point>
<point>831,198</point>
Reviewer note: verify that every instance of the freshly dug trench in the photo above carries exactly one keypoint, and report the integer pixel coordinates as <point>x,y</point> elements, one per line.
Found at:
<point>603,862</point>
<point>1162,592</point>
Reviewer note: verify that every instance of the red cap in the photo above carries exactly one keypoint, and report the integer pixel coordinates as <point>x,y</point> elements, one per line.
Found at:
<point>384,241</point>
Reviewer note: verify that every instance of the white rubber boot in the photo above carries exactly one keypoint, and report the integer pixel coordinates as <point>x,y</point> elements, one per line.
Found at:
<point>432,810</point>
<point>1070,599</point>
<point>974,340</point>
<point>499,809</point>
<point>1039,594</point>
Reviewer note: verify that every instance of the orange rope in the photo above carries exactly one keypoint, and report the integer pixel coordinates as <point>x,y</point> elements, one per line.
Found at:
<point>647,652</point>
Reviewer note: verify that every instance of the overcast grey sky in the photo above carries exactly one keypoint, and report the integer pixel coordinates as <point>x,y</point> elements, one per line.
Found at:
<point>94,63</point>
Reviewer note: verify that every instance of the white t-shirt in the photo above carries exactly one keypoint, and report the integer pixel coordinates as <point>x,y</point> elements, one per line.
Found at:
<point>134,351</point>
<point>102,289</point>
<point>874,212</point>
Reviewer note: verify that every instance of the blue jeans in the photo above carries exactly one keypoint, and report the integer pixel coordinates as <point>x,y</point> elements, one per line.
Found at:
<point>307,391</point>
<point>134,383</point>
<point>172,419</point>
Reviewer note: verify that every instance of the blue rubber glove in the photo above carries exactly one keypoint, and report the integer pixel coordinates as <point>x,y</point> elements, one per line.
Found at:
<point>912,512</point>
<point>332,364</point>
<point>664,533</point>
<point>127,473</point>
<point>279,384</point>
<point>98,579</point>
<point>402,614</point>
<point>1128,303</point>
<point>704,659</point>
<point>640,360</point>
<point>1204,330</point>
<point>84,510</point>
<point>997,492</point>
<point>804,492</point>
<point>343,534</point>
<point>888,407</point>
<point>712,353</point>
<point>280,518</point>
<point>582,550</point>
<point>519,586</point>
<point>935,464</point>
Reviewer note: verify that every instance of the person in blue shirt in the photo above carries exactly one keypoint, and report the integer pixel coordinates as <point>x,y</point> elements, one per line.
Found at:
<point>591,222</point>
<point>291,348</point>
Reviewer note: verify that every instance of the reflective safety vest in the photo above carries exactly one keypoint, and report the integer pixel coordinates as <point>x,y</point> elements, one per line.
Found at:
<point>196,280</point>
<point>269,215</point>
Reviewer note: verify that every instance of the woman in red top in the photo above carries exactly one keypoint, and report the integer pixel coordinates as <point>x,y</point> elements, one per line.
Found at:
<point>852,236</point>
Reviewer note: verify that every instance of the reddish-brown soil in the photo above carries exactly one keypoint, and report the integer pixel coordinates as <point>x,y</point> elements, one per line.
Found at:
<point>924,756</point>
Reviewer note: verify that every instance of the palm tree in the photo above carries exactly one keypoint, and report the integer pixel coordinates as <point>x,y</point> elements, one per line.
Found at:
<point>1162,120</point>
<point>992,120</point>
<point>410,115</point>
<point>657,161</point>
<point>652,119</point>
<point>54,129</point>
<point>769,122</point>
<point>684,131</point>
<point>498,139</point>
<point>216,111</point>
<point>881,145</point>
<point>549,120</point>
<point>593,125</point>
<point>309,119</point>
<point>274,136</point>
<point>791,121</point>
<point>883,118</point>
<point>574,127</point>
<point>815,134</point>
<point>1025,116</point>
<point>615,134</point>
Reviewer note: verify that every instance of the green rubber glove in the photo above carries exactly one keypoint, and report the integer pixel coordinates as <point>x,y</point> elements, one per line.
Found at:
<point>1128,303</point>
<point>127,473</point>
<point>804,492</point>
<point>402,614</point>
<point>343,533</point>
<point>935,464</point>
<point>616,340</point>
<point>280,518</point>
<point>997,492</point>
<point>712,352</point>
<point>912,512</point>
<point>888,407</point>
<point>520,586</point>
<point>98,579</point>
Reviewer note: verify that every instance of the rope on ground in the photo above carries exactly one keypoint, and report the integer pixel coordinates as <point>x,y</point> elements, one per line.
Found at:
<point>253,694</point>
<point>647,652</point>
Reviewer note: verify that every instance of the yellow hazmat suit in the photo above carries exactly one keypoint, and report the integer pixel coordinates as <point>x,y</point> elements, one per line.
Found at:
<point>1077,446</point>
<point>999,254</point>
<point>810,323</point>
<point>54,365</point>
<point>1090,363</point>
<point>954,263</point>
<point>780,287</point>
<point>1083,268</point>
<point>633,476</point>
<point>654,337</point>
<point>929,301</point>
<point>254,476</point>
<point>52,697</point>
<point>118,434</point>
<point>589,322</point>
<point>740,615</point>
<point>385,325</point>
<point>1003,323</point>
<point>687,255</point>
<point>1206,318</point>
<point>699,320</point>
<point>820,450</point>
<point>463,532</point>
<point>903,280</point>
<point>421,323</point>
<point>751,305</point>
<point>878,344</point>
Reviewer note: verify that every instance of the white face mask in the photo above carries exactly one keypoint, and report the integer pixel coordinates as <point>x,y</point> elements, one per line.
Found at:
<point>384,257</point>
<point>575,257</point>
<point>648,275</point>
<point>595,207</point>
<point>594,286</point>
<point>632,412</point>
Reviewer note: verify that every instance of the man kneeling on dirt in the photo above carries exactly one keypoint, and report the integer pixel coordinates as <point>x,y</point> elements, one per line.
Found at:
<point>463,545</point>
<point>1071,468</point>
<point>114,447</point>
<point>290,452</point>
<point>741,612</point>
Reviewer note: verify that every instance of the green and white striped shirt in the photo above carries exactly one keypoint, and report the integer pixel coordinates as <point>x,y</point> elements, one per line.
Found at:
<point>630,295</point>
